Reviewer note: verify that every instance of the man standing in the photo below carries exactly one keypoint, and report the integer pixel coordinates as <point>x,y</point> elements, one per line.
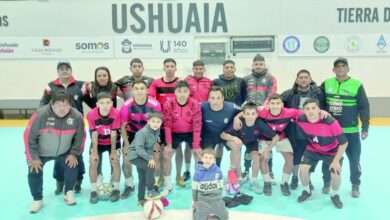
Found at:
<point>125,83</point>
<point>77,90</point>
<point>54,132</point>
<point>346,100</point>
<point>233,87</point>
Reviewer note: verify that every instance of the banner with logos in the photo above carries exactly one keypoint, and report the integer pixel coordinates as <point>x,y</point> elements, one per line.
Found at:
<point>154,47</point>
<point>334,45</point>
<point>56,47</point>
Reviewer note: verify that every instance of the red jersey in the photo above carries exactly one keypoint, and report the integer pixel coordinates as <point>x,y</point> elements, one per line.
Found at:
<point>199,88</point>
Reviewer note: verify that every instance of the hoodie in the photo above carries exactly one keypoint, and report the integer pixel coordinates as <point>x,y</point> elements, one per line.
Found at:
<point>207,184</point>
<point>259,87</point>
<point>233,89</point>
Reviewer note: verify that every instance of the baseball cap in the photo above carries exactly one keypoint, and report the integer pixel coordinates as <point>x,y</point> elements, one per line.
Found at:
<point>340,59</point>
<point>64,62</point>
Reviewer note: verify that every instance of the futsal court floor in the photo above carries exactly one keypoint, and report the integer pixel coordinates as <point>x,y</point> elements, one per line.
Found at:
<point>373,204</point>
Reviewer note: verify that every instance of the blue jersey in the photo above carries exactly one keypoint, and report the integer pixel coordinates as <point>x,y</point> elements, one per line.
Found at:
<point>215,122</point>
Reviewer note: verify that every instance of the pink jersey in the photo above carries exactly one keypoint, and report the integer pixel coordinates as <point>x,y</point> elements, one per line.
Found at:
<point>199,88</point>
<point>323,136</point>
<point>136,115</point>
<point>279,123</point>
<point>162,90</point>
<point>183,119</point>
<point>104,125</point>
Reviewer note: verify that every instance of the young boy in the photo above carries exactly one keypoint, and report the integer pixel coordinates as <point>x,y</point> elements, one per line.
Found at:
<point>207,188</point>
<point>104,123</point>
<point>140,153</point>
<point>253,129</point>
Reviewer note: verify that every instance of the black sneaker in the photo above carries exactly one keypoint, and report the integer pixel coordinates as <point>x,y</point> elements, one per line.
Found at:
<point>94,197</point>
<point>355,191</point>
<point>127,192</point>
<point>285,189</point>
<point>267,189</point>
<point>186,175</point>
<point>326,188</point>
<point>336,201</point>
<point>304,196</point>
<point>77,187</point>
<point>60,187</point>
<point>141,203</point>
<point>114,195</point>
<point>294,182</point>
<point>244,175</point>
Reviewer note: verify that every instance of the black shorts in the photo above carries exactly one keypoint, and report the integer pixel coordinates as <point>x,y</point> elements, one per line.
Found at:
<point>103,148</point>
<point>162,137</point>
<point>210,141</point>
<point>178,138</point>
<point>251,147</point>
<point>130,137</point>
<point>311,158</point>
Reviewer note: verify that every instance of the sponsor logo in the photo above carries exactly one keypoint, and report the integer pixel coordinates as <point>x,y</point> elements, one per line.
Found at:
<point>129,46</point>
<point>92,47</point>
<point>165,46</point>
<point>46,48</point>
<point>291,44</point>
<point>321,44</point>
<point>381,44</point>
<point>8,48</point>
<point>353,44</point>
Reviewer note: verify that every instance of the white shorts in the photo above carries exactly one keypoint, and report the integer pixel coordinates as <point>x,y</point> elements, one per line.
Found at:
<point>283,145</point>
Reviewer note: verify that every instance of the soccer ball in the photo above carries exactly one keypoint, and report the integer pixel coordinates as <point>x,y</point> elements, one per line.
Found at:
<point>153,209</point>
<point>104,191</point>
<point>232,189</point>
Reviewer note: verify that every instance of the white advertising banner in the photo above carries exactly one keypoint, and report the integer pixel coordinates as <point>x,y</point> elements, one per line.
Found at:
<point>56,47</point>
<point>334,45</point>
<point>154,47</point>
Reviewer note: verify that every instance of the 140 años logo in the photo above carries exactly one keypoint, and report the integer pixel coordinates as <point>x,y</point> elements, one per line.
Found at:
<point>4,21</point>
<point>177,46</point>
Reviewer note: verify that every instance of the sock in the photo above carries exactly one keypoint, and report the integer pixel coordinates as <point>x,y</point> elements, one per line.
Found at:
<point>306,188</point>
<point>270,163</point>
<point>232,167</point>
<point>115,185</point>
<point>254,179</point>
<point>218,161</point>
<point>188,165</point>
<point>129,182</point>
<point>285,177</point>
<point>168,180</point>
<point>266,177</point>
<point>93,187</point>
<point>333,192</point>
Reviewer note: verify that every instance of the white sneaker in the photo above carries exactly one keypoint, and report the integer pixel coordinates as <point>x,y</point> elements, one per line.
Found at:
<point>69,198</point>
<point>255,187</point>
<point>36,206</point>
<point>167,189</point>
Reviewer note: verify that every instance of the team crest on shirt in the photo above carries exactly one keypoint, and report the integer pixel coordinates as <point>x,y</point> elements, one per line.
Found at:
<point>315,139</point>
<point>188,114</point>
<point>75,97</point>
<point>225,120</point>
<point>69,121</point>
<point>330,89</point>
<point>217,176</point>
<point>255,132</point>
<point>264,80</point>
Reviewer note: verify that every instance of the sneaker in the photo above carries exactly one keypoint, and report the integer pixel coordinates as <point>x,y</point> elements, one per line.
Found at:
<point>69,198</point>
<point>160,182</point>
<point>36,206</point>
<point>168,189</point>
<point>100,179</point>
<point>60,187</point>
<point>311,186</point>
<point>93,198</point>
<point>267,189</point>
<point>77,187</point>
<point>294,182</point>
<point>245,176</point>
<point>115,195</point>
<point>326,188</point>
<point>141,203</point>
<point>336,201</point>
<point>153,194</point>
<point>180,181</point>
<point>255,187</point>
<point>129,190</point>
<point>186,175</point>
<point>304,196</point>
<point>273,181</point>
<point>355,191</point>
<point>285,189</point>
